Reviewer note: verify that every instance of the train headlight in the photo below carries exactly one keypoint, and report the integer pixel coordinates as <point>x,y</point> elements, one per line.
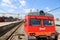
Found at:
<point>53,35</point>
<point>32,34</point>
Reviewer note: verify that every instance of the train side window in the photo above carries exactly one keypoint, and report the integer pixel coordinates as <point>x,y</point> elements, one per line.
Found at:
<point>35,22</point>
<point>48,22</point>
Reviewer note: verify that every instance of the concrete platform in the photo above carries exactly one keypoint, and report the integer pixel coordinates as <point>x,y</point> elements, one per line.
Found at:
<point>57,22</point>
<point>7,23</point>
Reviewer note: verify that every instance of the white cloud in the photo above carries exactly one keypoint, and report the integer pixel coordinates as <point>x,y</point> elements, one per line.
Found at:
<point>4,4</point>
<point>29,9</point>
<point>47,9</point>
<point>13,6</point>
<point>6,1</point>
<point>10,10</point>
<point>1,11</point>
<point>26,11</point>
<point>10,6</point>
<point>22,2</point>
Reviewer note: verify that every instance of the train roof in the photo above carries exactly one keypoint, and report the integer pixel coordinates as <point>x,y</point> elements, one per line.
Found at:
<point>39,14</point>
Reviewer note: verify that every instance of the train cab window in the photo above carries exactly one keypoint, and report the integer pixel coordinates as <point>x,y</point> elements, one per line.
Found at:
<point>48,22</point>
<point>35,22</point>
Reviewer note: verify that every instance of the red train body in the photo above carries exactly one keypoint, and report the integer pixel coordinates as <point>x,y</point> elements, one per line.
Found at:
<point>40,25</point>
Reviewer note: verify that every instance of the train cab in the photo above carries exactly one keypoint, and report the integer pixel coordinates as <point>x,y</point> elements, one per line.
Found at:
<point>40,25</point>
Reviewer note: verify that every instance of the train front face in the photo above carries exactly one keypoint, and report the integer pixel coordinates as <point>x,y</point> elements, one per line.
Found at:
<point>40,26</point>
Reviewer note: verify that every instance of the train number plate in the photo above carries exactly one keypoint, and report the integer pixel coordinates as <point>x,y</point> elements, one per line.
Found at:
<point>42,28</point>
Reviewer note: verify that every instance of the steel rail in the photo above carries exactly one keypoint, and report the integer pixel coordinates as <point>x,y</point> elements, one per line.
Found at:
<point>14,31</point>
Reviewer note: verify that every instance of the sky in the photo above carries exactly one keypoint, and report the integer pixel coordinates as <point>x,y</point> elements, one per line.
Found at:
<point>22,7</point>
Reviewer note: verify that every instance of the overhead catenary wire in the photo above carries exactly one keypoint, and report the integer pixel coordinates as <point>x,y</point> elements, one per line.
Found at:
<point>54,9</point>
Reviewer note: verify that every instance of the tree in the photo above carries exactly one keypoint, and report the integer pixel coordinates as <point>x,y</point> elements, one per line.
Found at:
<point>11,17</point>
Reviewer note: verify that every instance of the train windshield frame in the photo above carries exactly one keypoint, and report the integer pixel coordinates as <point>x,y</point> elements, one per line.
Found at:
<point>35,22</point>
<point>48,22</point>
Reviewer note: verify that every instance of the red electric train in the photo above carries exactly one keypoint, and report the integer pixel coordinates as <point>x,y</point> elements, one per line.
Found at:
<point>40,25</point>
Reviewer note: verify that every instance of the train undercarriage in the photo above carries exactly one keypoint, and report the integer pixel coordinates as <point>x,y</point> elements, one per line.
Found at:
<point>43,38</point>
<point>38,38</point>
<point>55,37</point>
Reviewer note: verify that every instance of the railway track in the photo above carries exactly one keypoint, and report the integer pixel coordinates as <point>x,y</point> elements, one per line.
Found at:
<point>14,31</point>
<point>7,28</point>
<point>7,31</point>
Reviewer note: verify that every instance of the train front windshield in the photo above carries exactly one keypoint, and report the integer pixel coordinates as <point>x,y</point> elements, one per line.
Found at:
<point>48,23</point>
<point>35,22</point>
